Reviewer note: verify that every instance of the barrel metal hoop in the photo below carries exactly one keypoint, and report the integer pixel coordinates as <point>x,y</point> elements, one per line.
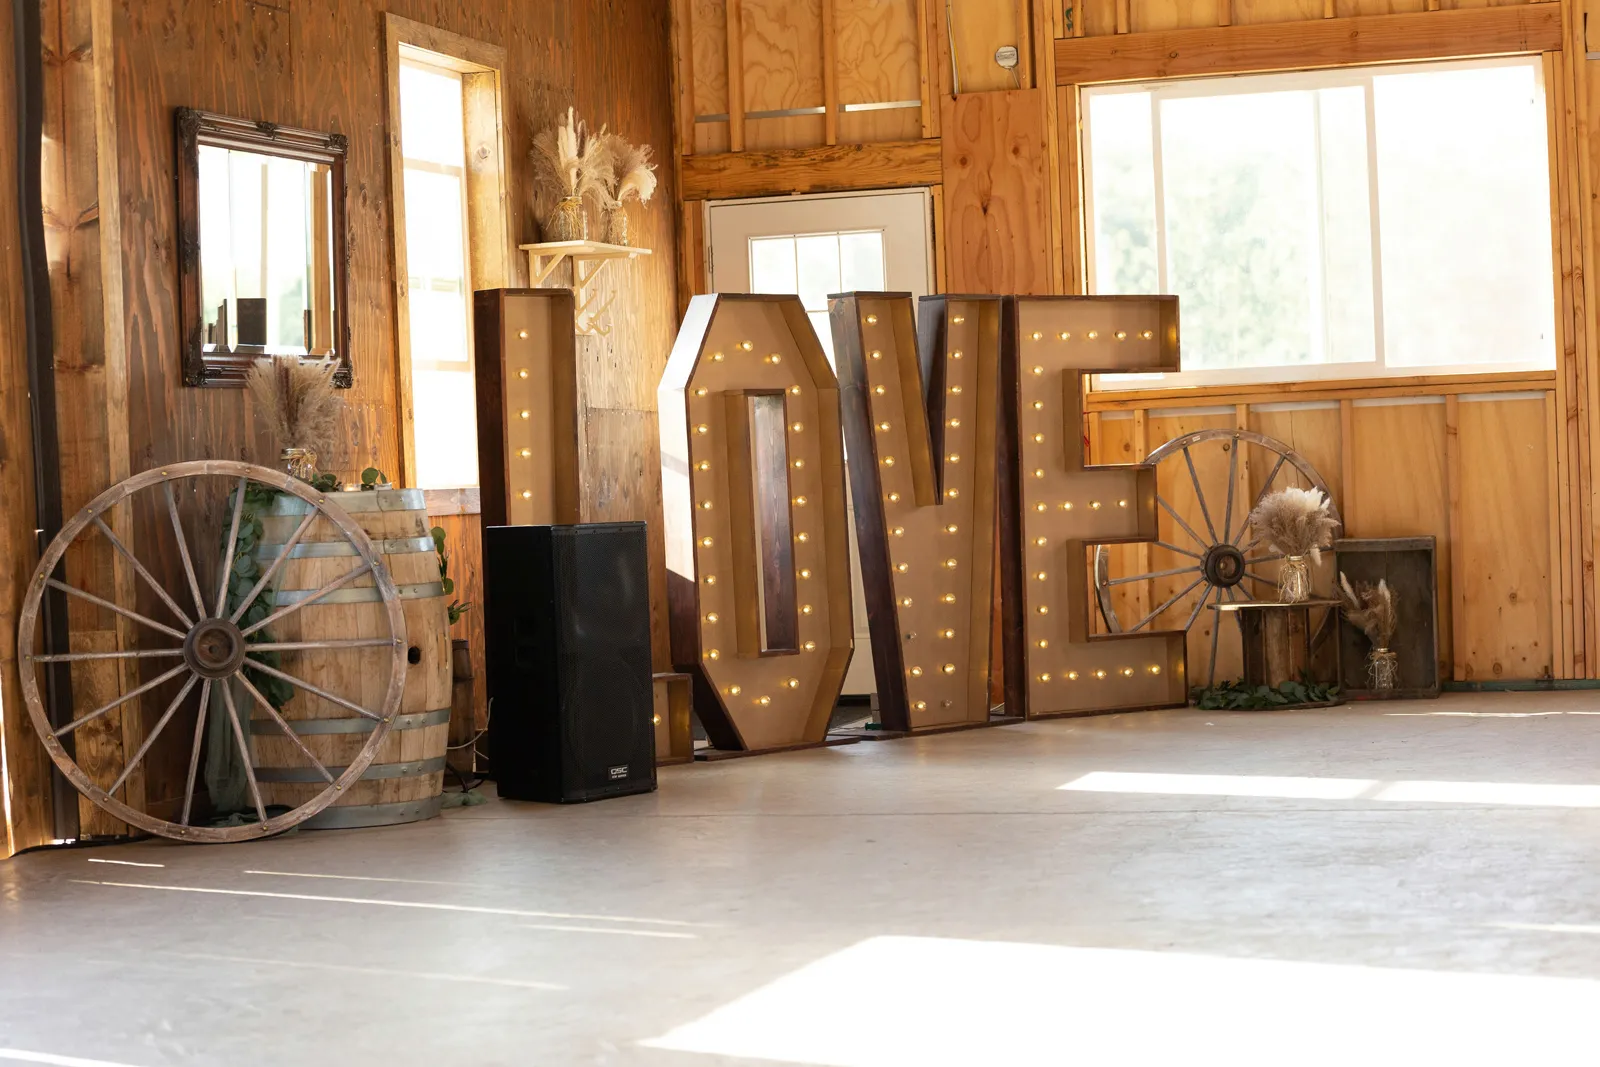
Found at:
<point>349,816</point>
<point>394,546</point>
<point>358,501</point>
<point>365,594</point>
<point>414,721</point>
<point>409,769</point>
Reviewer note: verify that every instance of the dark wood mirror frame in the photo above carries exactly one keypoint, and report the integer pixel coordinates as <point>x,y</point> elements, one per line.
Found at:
<point>196,128</point>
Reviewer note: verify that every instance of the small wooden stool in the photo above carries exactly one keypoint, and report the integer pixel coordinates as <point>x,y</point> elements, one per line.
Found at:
<point>1276,639</point>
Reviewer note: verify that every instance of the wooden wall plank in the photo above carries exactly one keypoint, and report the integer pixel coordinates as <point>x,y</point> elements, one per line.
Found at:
<point>811,170</point>
<point>1304,45</point>
<point>879,61</point>
<point>1502,544</point>
<point>995,191</point>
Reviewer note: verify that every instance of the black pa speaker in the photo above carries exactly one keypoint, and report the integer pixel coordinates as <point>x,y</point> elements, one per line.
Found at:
<point>567,612</point>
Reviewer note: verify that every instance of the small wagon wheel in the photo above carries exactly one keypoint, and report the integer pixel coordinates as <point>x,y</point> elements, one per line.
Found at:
<point>209,640</point>
<point>1215,551</point>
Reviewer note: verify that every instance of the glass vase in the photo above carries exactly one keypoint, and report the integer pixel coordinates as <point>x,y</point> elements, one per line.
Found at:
<point>567,222</point>
<point>616,226</point>
<point>1383,668</point>
<point>299,462</point>
<point>1294,580</point>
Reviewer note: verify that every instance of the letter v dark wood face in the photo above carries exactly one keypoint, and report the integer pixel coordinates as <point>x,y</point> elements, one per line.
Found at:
<point>921,402</point>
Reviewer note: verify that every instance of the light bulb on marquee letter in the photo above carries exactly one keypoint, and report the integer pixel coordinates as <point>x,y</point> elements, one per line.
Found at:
<point>770,458</point>
<point>925,391</point>
<point>1054,666</point>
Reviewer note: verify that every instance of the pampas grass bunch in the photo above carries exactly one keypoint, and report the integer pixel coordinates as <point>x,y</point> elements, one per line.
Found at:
<point>569,162</point>
<point>1295,522</point>
<point>1371,609</point>
<point>297,400</point>
<point>631,175</point>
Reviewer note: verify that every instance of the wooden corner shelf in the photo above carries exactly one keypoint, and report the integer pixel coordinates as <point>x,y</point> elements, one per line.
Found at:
<point>589,258</point>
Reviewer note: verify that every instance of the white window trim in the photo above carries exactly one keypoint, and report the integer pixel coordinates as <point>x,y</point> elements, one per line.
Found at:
<point>1249,84</point>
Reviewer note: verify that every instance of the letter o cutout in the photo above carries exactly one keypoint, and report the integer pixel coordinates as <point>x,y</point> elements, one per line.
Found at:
<point>758,555</point>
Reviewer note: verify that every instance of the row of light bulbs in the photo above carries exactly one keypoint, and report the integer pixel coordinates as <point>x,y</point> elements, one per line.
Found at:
<point>1094,335</point>
<point>1099,673</point>
<point>899,531</point>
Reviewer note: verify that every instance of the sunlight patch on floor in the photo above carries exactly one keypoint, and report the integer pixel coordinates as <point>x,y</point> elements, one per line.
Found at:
<point>932,1002</point>
<point>1517,794</point>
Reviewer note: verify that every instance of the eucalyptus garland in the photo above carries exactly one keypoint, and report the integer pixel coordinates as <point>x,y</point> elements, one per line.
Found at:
<point>1236,696</point>
<point>243,575</point>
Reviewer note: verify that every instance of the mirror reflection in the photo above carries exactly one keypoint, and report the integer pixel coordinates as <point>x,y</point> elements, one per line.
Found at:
<point>266,253</point>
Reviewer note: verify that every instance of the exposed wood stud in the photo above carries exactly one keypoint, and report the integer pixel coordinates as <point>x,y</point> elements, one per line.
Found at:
<point>1458,579</point>
<point>735,10</point>
<point>830,73</point>
<point>1347,468</point>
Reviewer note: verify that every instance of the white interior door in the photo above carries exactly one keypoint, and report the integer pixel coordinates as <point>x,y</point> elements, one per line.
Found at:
<point>813,246</point>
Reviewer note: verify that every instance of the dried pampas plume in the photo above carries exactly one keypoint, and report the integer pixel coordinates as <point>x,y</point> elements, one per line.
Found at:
<point>1371,609</point>
<point>631,175</point>
<point>1295,522</point>
<point>297,400</point>
<point>568,160</point>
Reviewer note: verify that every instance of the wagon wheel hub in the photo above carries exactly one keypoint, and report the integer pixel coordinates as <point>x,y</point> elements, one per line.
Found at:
<point>1223,566</point>
<point>214,649</point>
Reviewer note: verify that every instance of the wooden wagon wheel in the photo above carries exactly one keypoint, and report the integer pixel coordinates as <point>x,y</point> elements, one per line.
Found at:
<point>212,644</point>
<point>1214,549</point>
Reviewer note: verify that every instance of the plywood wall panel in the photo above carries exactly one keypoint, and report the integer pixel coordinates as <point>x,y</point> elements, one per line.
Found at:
<point>1248,12</point>
<point>1150,15</point>
<point>877,50</point>
<point>1504,542</point>
<point>997,237</point>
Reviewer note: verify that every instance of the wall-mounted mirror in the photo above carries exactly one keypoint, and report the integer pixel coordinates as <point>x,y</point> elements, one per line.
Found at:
<point>262,256</point>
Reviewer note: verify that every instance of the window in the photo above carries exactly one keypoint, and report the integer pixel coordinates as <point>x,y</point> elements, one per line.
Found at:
<point>443,396</point>
<point>1333,224</point>
<point>814,265</point>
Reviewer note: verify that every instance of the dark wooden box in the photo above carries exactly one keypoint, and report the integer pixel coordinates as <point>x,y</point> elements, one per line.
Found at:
<point>1407,564</point>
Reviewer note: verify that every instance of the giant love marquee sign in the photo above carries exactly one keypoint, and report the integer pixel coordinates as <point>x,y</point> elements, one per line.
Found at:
<point>962,421</point>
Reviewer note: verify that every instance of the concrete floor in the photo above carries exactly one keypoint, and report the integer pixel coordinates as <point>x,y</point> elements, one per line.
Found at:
<point>1361,885</point>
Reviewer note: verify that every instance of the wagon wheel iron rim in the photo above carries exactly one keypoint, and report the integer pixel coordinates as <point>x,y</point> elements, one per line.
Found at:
<point>1212,550</point>
<point>211,645</point>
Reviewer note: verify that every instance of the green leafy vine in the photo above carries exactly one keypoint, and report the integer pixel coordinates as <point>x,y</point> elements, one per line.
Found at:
<point>243,575</point>
<point>1236,696</point>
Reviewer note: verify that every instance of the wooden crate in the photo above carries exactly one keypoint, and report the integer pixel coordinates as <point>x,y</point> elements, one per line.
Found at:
<point>674,739</point>
<point>1407,564</point>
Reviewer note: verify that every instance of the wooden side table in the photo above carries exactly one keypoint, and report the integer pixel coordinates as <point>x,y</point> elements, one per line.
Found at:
<point>1276,639</point>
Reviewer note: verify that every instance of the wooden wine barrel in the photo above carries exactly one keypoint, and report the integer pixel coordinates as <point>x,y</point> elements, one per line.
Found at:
<point>405,782</point>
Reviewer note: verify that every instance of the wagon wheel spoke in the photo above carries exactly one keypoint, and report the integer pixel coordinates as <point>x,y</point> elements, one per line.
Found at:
<point>288,731</point>
<point>233,544</point>
<point>1171,601</point>
<point>1179,520</point>
<point>155,732</point>
<point>1265,559</point>
<point>1233,477</point>
<point>257,665</point>
<point>139,569</point>
<point>1175,548</point>
<point>1199,606</point>
<point>183,549</point>
<point>261,583</point>
<point>287,609</point>
<point>244,750</point>
<point>1216,636</point>
<point>121,700</point>
<point>1266,487</point>
<point>1200,494</point>
<point>194,754</point>
<point>1268,582</point>
<point>109,606</point>
<point>77,657</point>
<point>1144,577</point>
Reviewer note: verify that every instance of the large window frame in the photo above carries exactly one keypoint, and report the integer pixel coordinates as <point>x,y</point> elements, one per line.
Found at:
<point>1253,82</point>
<point>491,249</point>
